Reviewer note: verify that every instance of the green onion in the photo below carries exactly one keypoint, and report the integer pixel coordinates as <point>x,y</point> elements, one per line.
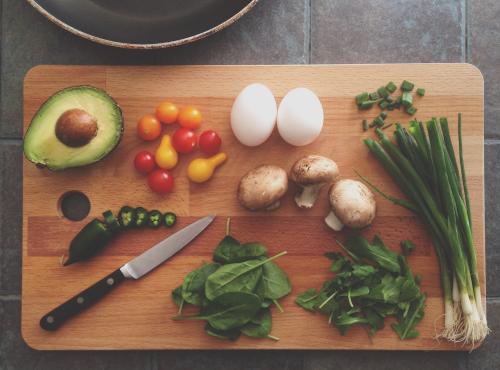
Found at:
<point>365,125</point>
<point>411,110</point>
<point>383,104</point>
<point>407,86</point>
<point>367,104</point>
<point>383,92</point>
<point>383,115</point>
<point>423,164</point>
<point>374,96</point>
<point>420,91</point>
<point>361,98</point>
<point>391,87</point>
<point>406,99</point>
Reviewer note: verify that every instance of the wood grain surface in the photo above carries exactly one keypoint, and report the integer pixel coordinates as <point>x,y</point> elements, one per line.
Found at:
<point>138,314</point>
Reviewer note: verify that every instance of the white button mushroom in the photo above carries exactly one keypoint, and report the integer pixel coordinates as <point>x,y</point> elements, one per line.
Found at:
<point>311,173</point>
<point>352,204</point>
<point>262,188</point>
<point>300,117</point>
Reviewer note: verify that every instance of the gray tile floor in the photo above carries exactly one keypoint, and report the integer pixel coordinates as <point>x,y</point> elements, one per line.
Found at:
<point>276,31</point>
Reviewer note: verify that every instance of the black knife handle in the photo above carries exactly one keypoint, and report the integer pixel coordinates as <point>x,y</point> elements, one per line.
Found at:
<point>55,318</point>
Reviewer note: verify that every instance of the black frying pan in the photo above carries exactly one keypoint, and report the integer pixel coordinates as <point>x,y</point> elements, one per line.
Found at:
<point>143,24</point>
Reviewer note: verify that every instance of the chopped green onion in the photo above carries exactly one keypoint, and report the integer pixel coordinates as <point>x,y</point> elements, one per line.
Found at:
<point>383,115</point>
<point>374,96</point>
<point>365,125</point>
<point>383,92</point>
<point>367,104</point>
<point>387,126</point>
<point>361,98</point>
<point>406,99</point>
<point>420,91</point>
<point>383,104</point>
<point>411,110</point>
<point>391,87</point>
<point>407,86</point>
<point>378,122</point>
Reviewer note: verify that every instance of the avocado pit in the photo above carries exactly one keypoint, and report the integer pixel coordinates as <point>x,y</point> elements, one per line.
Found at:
<point>76,128</point>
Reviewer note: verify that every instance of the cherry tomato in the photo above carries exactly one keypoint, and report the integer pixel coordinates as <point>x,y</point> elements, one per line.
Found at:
<point>161,181</point>
<point>167,112</point>
<point>190,117</point>
<point>184,140</point>
<point>210,142</point>
<point>148,128</point>
<point>144,162</point>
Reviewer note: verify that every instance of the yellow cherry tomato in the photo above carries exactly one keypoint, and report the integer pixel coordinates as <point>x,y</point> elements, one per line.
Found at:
<point>202,169</point>
<point>167,112</point>
<point>166,157</point>
<point>190,117</point>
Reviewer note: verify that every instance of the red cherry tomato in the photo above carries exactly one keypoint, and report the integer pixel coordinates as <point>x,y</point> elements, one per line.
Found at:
<point>184,140</point>
<point>144,162</point>
<point>161,181</point>
<point>210,142</point>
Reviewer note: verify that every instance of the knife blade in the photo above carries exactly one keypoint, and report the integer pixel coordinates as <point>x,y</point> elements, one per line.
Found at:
<point>133,269</point>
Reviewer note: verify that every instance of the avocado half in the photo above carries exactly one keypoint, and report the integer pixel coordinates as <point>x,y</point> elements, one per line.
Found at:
<point>75,127</point>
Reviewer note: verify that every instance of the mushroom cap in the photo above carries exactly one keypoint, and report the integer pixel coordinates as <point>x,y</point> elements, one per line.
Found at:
<point>262,187</point>
<point>353,203</point>
<point>314,169</point>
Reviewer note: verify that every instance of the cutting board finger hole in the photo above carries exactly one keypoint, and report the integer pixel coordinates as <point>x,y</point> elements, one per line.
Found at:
<point>74,205</point>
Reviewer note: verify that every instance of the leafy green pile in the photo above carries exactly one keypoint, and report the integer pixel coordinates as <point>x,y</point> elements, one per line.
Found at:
<point>374,283</point>
<point>235,292</point>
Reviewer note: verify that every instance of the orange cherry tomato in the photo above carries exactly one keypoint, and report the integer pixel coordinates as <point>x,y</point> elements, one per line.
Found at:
<point>148,128</point>
<point>167,112</point>
<point>190,117</point>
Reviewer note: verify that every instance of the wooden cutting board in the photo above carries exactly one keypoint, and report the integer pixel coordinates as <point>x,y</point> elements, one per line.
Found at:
<point>138,314</point>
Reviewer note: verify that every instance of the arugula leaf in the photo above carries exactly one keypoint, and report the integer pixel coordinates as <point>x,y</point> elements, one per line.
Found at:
<point>307,300</point>
<point>405,327</point>
<point>376,252</point>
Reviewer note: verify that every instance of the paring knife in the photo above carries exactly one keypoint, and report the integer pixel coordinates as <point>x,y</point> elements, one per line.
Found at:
<point>134,269</point>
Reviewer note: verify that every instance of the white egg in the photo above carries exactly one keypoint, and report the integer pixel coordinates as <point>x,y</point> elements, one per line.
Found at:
<point>300,117</point>
<point>253,115</point>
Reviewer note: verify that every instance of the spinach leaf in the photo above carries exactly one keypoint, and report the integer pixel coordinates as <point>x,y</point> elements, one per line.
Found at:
<point>236,277</point>
<point>228,311</point>
<point>230,250</point>
<point>194,283</point>
<point>274,283</point>
<point>260,326</point>
<point>231,334</point>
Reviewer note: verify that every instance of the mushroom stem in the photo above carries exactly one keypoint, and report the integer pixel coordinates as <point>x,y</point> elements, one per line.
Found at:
<point>307,195</point>
<point>333,221</point>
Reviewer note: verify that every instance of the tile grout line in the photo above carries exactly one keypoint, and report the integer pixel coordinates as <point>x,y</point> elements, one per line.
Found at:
<point>10,140</point>
<point>309,28</point>
<point>491,141</point>
<point>465,28</point>
<point>10,298</point>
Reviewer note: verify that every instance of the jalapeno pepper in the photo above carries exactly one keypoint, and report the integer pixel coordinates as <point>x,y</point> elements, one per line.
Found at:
<point>127,217</point>
<point>169,219</point>
<point>155,218</point>
<point>111,221</point>
<point>141,217</point>
<point>92,238</point>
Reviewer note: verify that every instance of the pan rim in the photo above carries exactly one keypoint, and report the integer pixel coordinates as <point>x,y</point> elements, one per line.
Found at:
<point>159,45</point>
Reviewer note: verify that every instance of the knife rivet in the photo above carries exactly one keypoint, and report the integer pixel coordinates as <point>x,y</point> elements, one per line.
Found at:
<point>79,300</point>
<point>110,281</point>
<point>50,319</point>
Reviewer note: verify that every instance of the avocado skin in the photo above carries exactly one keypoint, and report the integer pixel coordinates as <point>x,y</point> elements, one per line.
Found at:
<point>119,131</point>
